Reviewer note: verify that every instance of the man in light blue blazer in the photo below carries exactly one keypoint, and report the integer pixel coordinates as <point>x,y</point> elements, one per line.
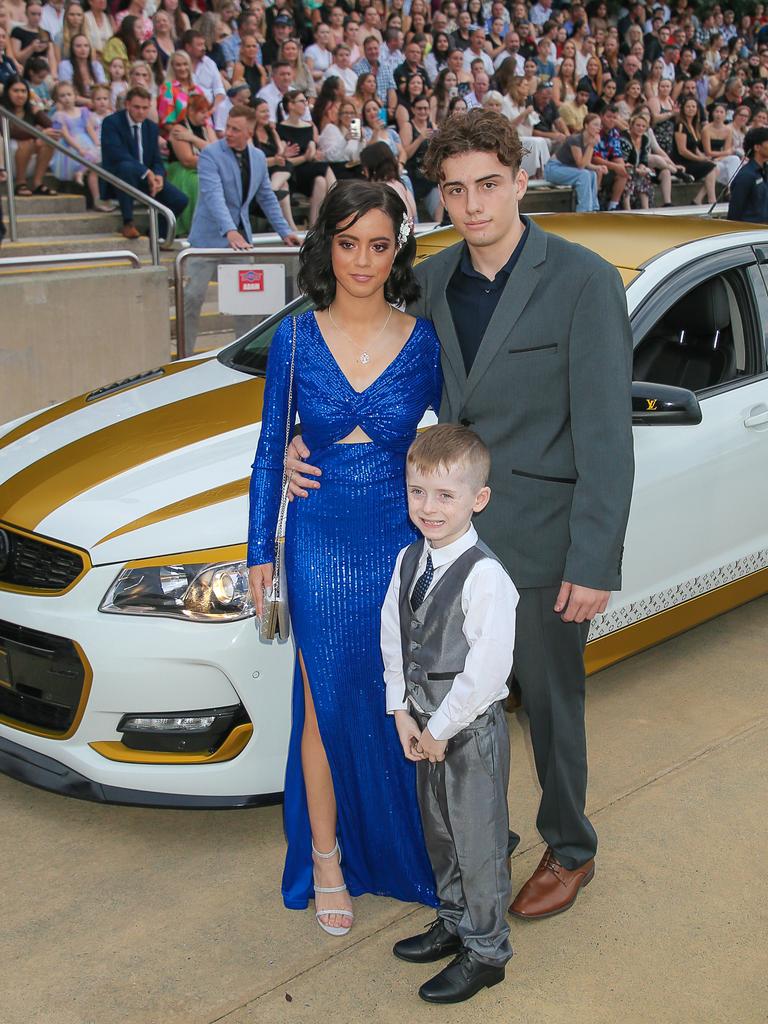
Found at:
<point>231,172</point>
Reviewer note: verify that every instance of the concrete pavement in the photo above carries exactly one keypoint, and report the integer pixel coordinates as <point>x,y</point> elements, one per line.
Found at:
<point>129,916</point>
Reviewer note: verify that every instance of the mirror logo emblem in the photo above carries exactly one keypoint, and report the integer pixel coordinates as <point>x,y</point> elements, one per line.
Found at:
<point>651,404</point>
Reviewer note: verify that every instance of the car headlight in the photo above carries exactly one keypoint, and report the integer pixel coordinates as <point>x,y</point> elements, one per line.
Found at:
<point>202,593</point>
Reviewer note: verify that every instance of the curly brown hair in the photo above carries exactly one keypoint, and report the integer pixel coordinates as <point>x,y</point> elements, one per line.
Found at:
<point>477,130</point>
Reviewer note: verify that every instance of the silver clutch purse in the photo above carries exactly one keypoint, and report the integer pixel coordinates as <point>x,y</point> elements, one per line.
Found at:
<point>275,620</point>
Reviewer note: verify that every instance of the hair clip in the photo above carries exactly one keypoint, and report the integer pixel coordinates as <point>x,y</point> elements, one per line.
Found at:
<point>406,226</point>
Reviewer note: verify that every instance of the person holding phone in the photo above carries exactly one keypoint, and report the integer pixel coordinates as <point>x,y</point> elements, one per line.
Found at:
<point>341,140</point>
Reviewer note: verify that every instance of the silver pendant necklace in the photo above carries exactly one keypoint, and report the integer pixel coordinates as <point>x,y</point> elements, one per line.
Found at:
<point>365,356</point>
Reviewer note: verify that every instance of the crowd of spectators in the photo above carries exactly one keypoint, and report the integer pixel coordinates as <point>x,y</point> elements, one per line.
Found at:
<point>612,100</point>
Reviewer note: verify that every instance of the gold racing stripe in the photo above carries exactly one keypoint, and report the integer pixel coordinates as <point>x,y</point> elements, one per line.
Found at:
<point>623,643</point>
<point>57,412</point>
<point>213,496</point>
<point>34,493</point>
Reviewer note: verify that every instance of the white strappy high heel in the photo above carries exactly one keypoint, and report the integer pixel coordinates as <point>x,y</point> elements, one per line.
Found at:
<point>334,888</point>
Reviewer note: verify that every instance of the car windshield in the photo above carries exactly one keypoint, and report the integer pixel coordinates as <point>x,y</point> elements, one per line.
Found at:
<point>250,352</point>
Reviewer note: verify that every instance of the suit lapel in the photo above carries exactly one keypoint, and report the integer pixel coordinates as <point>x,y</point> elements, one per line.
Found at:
<point>440,313</point>
<point>515,297</point>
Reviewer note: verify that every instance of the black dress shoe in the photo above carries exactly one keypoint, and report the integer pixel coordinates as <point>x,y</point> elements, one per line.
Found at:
<point>460,980</point>
<point>430,946</point>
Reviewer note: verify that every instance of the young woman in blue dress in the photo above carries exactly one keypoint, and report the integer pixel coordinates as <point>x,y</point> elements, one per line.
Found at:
<point>365,373</point>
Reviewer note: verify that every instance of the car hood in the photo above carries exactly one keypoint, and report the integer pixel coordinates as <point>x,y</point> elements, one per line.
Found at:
<point>155,465</point>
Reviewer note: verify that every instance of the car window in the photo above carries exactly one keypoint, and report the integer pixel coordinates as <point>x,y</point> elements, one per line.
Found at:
<point>250,352</point>
<point>703,340</point>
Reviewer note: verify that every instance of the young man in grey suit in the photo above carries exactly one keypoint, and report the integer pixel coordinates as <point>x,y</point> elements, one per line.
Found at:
<point>537,359</point>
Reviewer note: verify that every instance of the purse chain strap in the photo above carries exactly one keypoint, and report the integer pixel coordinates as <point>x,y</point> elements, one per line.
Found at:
<point>282,514</point>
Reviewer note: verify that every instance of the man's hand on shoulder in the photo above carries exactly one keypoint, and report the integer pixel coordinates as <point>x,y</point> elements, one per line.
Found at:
<point>580,604</point>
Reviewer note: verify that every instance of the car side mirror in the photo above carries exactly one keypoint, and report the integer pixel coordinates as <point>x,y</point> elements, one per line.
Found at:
<point>662,405</point>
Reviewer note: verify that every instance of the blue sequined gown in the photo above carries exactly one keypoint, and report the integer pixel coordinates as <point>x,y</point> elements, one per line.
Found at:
<point>341,545</point>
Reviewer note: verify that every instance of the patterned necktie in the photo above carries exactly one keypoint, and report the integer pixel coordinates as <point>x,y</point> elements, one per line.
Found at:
<point>422,584</point>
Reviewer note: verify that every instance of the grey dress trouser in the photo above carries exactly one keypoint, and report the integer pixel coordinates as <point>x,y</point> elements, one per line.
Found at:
<point>549,665</point>
<point>463,804</point>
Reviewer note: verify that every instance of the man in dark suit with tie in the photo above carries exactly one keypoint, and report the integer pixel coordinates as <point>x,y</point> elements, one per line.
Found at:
<point>537,359</point>
<point>130,150</point>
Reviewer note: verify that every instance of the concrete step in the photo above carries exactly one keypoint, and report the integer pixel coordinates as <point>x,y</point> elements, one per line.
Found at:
<point>54,205</point>
<point>47,225</point>
<point>73,243</point>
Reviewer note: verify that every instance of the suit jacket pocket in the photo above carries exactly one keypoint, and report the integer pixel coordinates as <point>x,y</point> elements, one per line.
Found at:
<point>532,348</point>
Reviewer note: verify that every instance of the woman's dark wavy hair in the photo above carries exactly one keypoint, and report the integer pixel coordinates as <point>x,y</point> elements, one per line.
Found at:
<point>353,199</point>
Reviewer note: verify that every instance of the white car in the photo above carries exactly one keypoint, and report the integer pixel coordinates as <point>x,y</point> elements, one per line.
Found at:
<point>130,665</point>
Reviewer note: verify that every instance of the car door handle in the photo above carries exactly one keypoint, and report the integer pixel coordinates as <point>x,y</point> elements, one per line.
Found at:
<point>758,420</point>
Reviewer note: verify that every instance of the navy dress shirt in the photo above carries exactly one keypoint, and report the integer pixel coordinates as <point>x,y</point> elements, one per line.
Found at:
<point>472,298</point>
<point>749,194</point>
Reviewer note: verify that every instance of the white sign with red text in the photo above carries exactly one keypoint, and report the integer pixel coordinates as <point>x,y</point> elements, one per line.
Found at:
<point>251,288</point>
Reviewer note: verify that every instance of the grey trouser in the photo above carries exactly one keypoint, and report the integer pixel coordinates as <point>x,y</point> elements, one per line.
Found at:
<point>463,803</point>
<point>549,665</point>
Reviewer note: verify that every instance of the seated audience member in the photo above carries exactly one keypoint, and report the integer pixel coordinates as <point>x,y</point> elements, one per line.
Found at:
<point>9,68</point>
<point>476,51</point>
<point>664,111</point>
<point>279,84</point>
<point>481,83</point>
<point>150,55</point>
<point>245,26</point>
<point>524,118</point>
<point>607,153</point>
<point>411,66</point>
<point>205,74</point>
<point>124,43</point>
<point>385,83</point>
<point>592,83</point>
<point>607,97</point>
<point>660,162</point>
<point>717,141</point>
<point>281,29</point>
<point>414,90</point>
<point>140,75</point>
<point>191,133</point>
<point>375,130</point>
<point>102,108</point>
<point>340,142</point>
<point>636,150</point>
<point>72,25</point>
<point>352,38</point>
<point>81,139</point>
<point>179,86</point>
<point>437,58</point>
<point>463,77</point>
<point>631,102</point>
<point>572,164</point>
<point>365,92</point>
<point>163,36</point>
<point>291,52</point>
<point>30,39</point>
<point>211,28</point>
<point>311,174</point>
<point>565,84</point>
<point>446,87</point>
<point>415,136</point>
<point>319,55</point>
<point>82,70</point>
<point>278,156</point>
<point>99,26</point>
<point>342,68</point>
<point>493,101</point>
<point>37,73</point>
<point>458,105</point>
<point>118,82</point>
<point>690,153</point>
<point>135,9</point>
<point>130,149</point>
<point>247,68</point>
<point>549,126</point>
<point>16,98</point>
<point>572,114</point>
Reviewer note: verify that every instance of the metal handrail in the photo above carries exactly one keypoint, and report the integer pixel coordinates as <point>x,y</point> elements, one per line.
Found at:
<point>69,257</point>
<point>153,206</point>
<point>225,255</point>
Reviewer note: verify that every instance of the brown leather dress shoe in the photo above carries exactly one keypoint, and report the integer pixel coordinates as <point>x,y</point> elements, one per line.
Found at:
<point>551,889</point>
<point>130,230</point>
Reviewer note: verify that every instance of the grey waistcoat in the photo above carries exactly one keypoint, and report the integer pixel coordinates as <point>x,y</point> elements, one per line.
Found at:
<point>434,646</point>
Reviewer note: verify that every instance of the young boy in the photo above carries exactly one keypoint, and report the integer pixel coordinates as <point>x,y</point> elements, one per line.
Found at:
<point>447,637</point>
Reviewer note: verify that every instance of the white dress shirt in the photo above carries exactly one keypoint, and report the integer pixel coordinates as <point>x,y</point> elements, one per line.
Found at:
<point>207,77</point>
<point>516,57</point>
<point>52,20</point>
<point>347,76</point>
<point>136,135</point>
<point>488,600</point>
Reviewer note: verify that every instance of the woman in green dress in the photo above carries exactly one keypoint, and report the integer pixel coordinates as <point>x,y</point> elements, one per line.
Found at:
<point>191,133</point>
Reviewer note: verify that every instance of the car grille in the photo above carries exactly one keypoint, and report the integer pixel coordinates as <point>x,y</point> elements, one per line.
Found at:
<point>41,678</point>
<point>35,563</point>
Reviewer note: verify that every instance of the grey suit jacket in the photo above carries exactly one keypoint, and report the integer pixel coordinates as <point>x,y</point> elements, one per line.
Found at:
<point>550,394</point>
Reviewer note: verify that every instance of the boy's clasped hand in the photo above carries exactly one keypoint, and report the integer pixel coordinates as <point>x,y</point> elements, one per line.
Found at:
<point>418,744</point>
